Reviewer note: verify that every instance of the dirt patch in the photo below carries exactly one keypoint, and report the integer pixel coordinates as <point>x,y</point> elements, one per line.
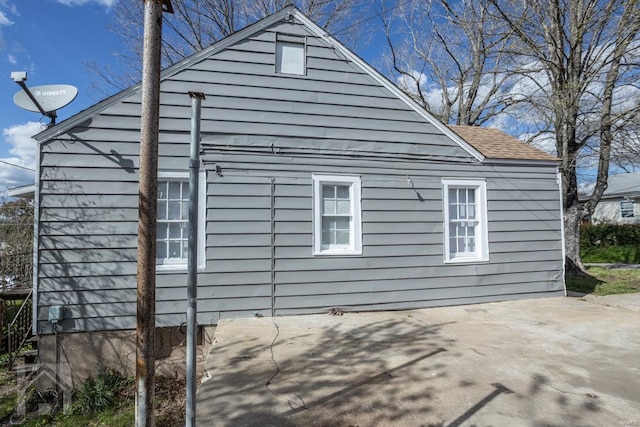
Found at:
<point>171,402</point>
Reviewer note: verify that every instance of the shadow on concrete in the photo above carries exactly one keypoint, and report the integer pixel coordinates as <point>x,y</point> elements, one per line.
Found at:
<point>386,375</point>
<point>499,389</point>
<point>328,374</point>
<point>382,369</point>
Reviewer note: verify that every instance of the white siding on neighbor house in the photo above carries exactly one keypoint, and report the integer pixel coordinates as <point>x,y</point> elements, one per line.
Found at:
<point>263,136</point>
<point>608,211</point>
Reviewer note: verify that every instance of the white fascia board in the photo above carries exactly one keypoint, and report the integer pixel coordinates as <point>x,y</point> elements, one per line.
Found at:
<point>84,115</point>
<point>25,191</point>
<point>389,85</point>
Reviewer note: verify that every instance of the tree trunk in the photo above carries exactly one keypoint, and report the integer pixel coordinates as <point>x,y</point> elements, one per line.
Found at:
<point>572,218</point>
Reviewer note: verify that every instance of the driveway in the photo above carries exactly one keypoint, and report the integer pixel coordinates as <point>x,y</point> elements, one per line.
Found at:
<point>542,362</point>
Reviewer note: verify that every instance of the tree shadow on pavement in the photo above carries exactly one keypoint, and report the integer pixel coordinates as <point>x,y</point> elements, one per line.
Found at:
<point>346,371</point>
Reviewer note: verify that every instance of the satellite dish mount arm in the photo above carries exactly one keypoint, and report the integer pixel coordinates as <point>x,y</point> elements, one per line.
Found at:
<point>50,114</point>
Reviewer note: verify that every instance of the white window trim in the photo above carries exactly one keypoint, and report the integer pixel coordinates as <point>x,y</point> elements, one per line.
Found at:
<point>355,247</point>
<point>202,210</point>
<point>482,235</point>
<point>291,39</point>
<point>632,210</point>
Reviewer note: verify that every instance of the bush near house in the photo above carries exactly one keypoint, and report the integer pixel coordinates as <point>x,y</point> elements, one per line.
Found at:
<point>106,400</point>
<point>610,243</point>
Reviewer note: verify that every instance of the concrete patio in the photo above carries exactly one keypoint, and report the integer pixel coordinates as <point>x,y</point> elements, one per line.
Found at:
<point>545,362</point>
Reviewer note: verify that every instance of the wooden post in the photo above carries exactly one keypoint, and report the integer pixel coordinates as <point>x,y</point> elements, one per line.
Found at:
<point>147,212</point>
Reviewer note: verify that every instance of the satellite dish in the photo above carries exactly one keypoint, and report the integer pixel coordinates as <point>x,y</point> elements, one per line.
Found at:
<point>50,97</point>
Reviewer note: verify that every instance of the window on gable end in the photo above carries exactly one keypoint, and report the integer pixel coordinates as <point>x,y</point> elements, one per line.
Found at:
<point>290,54</point>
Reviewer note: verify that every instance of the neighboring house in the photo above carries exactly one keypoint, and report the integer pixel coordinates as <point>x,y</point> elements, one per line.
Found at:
<point>24,191</point>
<point>323,185</point>
<point>620,202</point>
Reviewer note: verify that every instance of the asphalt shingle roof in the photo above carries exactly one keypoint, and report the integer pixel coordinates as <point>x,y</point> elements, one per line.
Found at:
<point>626,184</point>
<point>494,144</point>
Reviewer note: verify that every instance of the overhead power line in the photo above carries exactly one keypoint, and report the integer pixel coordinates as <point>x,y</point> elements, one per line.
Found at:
<point>18,166</point>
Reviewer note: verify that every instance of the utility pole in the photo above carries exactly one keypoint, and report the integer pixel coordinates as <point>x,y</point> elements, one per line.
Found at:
<point>147,211</point>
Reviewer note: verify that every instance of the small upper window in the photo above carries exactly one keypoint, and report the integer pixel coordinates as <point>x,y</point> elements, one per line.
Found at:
<point>290,54</point>
<point>627,209</point>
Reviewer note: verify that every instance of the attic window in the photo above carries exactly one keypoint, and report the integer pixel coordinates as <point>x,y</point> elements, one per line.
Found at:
<point>290,54</point>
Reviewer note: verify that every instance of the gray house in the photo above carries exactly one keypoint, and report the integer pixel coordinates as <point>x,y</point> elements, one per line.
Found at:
<point>323,186</point>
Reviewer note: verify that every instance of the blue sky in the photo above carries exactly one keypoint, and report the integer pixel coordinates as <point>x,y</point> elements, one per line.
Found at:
<point>51,40</point>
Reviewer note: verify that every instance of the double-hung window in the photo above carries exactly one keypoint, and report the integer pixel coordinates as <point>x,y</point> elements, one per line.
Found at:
<point>465,220</point>
<point>336,215</point>
<point>627,209</point>
<point>172,232</point>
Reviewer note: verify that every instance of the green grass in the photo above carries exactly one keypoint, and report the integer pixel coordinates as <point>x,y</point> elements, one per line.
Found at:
<point>605,281</point>
<point>123,416</point>
<point>7,406</point>
<point>106,400</point>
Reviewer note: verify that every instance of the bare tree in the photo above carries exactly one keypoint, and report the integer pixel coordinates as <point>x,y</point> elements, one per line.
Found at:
<point>565,70</point>
<point>582,60</point>
<point>625,153</point>
<point>450,57</point>
<point>196,24</point>
<point>16,242</point>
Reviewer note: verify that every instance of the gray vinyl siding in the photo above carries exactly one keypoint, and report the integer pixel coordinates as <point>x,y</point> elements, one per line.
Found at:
<point>263,135</point>
<point>402,262</point>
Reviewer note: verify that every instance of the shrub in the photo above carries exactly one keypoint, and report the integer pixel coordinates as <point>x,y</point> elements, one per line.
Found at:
<point>100,393</point>
<point>606,235</point>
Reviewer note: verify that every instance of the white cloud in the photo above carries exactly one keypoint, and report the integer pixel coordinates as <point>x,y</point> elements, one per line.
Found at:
<point>10,7</point>
<point>431,93</point>
<point>545,142</point>
<point>12,59</point>
<point>409,83</point>
<point>23,153</point>
<point>4,21</point>
<point>107,3</point>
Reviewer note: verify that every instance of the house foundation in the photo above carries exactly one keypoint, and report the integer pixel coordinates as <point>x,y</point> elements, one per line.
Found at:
<point>73,357</point>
